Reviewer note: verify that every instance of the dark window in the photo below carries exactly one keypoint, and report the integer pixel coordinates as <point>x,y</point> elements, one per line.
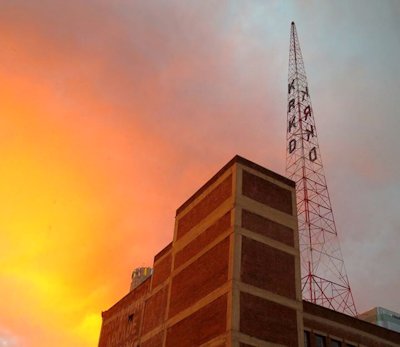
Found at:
<point>307,342</point>
<point>320,341</point>
<point>130,318</point>
<point>336,343</point>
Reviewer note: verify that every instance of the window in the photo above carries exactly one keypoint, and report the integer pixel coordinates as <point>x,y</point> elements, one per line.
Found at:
<point>320,341</point>
<point>130,318</point>
<point>307,341</point>
<point>335,343</point>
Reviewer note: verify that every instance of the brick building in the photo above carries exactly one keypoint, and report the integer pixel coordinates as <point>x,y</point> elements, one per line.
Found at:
<point>231,276</point>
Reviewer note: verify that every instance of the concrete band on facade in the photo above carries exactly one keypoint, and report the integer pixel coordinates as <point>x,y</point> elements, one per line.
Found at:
<point>231,276</point>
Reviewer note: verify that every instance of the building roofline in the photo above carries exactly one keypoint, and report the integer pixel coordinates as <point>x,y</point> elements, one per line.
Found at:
<point>355,322</point>
<point>165,250</point>
<point>125,297</point>
<point>234,160</point>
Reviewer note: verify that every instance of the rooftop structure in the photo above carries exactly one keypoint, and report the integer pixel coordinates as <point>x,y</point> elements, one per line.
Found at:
<point>139,275</point>
<point>382,317</point>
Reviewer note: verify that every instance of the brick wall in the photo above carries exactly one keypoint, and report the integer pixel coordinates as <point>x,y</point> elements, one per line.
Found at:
<point>122,322</point>
<point>269,305</point>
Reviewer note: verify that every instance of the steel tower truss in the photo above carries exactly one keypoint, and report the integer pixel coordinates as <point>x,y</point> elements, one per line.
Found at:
<point>324,278</point>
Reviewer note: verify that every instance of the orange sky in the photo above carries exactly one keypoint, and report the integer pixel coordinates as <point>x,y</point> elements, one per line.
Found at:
<point>77,208</point>
<point>111,115</point>
<point>89,180</point>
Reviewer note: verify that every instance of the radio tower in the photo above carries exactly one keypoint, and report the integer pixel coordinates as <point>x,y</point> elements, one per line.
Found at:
<point>324,279</point>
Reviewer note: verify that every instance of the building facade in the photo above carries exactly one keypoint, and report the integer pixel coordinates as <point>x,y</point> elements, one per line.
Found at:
<point>231,276</point>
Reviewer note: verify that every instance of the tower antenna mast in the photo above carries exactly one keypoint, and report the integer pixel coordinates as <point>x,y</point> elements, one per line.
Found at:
<point>323,274</point>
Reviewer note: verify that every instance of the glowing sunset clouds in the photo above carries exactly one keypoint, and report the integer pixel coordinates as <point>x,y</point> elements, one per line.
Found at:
<point>112,114</point>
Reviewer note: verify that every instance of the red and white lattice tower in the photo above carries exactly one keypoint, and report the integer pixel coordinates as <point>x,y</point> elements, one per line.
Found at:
<point>324,278</point>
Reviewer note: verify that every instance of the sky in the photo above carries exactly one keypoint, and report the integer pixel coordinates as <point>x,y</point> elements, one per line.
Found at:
<point>112,113</point>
